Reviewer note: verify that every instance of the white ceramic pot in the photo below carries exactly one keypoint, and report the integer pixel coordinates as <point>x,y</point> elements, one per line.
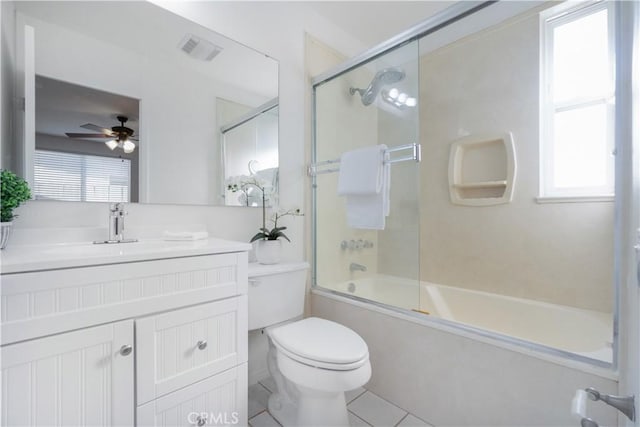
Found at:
<point>5,230</point>
<point>268,251</point>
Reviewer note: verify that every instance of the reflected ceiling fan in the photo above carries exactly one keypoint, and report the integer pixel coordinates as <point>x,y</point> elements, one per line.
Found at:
<point>119,136</point>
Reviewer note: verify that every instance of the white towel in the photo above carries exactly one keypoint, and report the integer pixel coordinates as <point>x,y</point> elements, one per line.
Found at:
<point>365,181</point>
<point>185,235</point>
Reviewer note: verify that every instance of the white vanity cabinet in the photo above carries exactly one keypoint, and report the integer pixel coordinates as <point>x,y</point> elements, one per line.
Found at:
<point>150,342</point>
<point>213,401</point>
<point>77,378</point>
<point>180,347</point>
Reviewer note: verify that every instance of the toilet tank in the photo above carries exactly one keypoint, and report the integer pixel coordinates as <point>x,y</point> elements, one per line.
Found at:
<point>276,293</point>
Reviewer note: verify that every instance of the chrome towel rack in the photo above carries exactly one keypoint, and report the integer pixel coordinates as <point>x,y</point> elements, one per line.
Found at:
<point>319,168</point>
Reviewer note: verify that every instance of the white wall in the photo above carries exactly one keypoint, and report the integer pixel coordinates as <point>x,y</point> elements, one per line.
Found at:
<point>556,252</point>
<point>45,222</point>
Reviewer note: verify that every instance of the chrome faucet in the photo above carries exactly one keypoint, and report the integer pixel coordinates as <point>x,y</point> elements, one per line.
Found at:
<point>357,267</point>
<point>116,225</point>
<point>116,221</point>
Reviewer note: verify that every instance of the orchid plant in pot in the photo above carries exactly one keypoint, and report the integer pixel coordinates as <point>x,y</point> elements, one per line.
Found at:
<point>14,191</point>
<point>269,245</point>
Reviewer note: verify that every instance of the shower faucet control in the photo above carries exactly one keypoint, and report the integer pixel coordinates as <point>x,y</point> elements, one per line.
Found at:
<point>356,267</point>
<point>357,245</point>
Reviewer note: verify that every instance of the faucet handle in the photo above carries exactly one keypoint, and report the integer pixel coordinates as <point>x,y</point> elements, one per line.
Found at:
<point>117,208</point>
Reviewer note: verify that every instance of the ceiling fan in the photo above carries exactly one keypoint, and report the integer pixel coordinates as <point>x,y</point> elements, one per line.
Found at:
<point>119,136</point>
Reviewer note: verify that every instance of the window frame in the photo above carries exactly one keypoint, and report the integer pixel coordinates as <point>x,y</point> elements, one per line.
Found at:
<point>550,20</point>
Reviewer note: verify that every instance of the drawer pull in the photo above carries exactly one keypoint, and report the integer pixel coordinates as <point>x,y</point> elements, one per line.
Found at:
<point>202,344</point>
<point>126,350</point>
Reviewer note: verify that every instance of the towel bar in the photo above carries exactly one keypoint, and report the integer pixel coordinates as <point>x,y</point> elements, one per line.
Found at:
<point>416,155</point>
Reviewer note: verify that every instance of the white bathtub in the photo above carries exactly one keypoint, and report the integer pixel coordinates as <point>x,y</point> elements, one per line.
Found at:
<point>584,332</point>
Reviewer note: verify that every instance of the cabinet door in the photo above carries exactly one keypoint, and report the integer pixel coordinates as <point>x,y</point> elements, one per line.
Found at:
<point>217,400</point>
<point>76,378</point>
<point>181,347</point>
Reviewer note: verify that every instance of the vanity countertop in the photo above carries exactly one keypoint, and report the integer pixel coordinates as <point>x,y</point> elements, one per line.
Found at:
<point>20,259</point>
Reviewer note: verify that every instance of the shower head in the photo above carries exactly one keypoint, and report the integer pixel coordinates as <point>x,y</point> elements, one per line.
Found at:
<point>382,78</point>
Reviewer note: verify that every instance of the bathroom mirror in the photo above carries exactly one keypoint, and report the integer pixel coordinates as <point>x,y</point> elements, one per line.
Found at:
<point>97,61</point>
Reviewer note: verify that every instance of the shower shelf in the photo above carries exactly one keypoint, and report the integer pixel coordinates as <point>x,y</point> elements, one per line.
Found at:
<point>484,184</point>
<point>482,170</point>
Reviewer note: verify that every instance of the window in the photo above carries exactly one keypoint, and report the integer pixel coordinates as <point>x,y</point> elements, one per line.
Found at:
<point>578,103</point>
<point>81,177</point>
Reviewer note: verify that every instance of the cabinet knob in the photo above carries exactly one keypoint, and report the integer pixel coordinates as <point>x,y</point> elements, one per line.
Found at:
<point>202,344</point>
<point>126,350</point>
<point>200,421</point>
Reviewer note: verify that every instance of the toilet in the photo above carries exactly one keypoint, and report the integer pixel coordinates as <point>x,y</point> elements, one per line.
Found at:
<point>313,361</point>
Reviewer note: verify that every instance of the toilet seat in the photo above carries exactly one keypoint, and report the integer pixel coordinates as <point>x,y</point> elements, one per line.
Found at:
<point>322,344</point>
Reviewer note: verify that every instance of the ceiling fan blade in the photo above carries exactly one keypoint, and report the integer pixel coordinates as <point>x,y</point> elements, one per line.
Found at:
<point>87,135</point>
<point>97,128</point>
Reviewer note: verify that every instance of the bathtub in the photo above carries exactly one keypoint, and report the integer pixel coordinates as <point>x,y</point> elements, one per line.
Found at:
<point>586,333</point>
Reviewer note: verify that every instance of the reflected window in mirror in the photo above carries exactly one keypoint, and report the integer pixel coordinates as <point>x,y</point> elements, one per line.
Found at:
<point>578,102</point>
<point>81,177</point>
<point>87,145</point>
<point>249,153</point>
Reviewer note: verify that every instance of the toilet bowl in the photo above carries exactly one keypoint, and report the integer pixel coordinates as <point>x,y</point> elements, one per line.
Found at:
<point>313,361</point>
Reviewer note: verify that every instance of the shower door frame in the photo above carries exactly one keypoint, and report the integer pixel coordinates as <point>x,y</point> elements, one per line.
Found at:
<point>440,20</point>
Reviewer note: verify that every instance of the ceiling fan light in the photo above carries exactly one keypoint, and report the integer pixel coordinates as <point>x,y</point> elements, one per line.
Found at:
<point>112,144</point>
<point>128,146</point>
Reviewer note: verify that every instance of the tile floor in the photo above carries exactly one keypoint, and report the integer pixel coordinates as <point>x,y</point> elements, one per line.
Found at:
<point>365,409</point>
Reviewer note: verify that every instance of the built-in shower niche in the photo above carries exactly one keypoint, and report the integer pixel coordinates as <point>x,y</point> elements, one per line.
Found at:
<point>482,170</point>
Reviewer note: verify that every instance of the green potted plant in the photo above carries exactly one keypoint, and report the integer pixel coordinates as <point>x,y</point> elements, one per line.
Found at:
<point>268,246</point>
<point>15,190</point>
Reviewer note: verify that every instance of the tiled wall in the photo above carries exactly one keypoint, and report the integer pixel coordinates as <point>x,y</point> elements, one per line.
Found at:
<point>555,252</point>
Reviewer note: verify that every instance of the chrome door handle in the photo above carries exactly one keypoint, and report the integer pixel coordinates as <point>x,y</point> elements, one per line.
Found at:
<point>202,344</point>
<point>126,350</point>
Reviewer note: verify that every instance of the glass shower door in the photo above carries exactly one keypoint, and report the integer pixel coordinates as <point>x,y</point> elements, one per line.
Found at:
<point>372,104</point>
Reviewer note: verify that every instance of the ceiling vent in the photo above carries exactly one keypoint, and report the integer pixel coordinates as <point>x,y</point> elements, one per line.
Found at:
<point>199,48</point>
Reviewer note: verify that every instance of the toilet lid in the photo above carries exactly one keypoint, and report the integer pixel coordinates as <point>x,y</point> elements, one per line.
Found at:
<point>323,341</point>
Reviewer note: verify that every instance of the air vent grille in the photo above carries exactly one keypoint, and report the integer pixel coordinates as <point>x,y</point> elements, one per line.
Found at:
<point>199,48</point>
<point>189,45</point>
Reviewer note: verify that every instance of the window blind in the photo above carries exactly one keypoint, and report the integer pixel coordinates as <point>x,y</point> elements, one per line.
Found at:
<point>81,177</point>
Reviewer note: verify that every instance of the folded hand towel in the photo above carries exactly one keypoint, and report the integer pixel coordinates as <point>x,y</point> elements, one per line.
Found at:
<point>365,181</point>
<point>361,171</point>
<point>185,235</point>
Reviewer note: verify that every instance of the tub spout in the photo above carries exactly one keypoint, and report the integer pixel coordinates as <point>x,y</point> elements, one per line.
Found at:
<point>357,267</point>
